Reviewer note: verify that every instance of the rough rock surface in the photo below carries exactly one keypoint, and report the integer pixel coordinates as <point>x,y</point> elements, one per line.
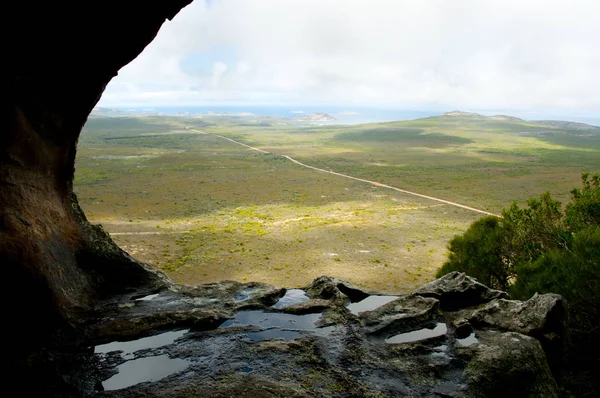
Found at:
<point>230,339</point>
<point>507,364</point>
<point>328,288</point>
<point>58,58</point>
<point>540,316</point>
<point>457,290</point>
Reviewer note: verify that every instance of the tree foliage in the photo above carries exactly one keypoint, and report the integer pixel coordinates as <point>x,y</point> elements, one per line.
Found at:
<point>478,252</point>
<point>540,248</point>
<point>584,209</point>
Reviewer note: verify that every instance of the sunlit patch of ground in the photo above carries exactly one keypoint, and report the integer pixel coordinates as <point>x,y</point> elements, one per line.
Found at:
<point>381,244</point>
<point>203,208</point>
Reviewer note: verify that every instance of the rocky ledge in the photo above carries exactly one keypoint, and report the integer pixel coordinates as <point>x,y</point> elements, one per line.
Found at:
<point>453,337</point>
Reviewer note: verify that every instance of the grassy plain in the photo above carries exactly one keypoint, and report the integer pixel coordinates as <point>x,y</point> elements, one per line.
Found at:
<point>201,208</point>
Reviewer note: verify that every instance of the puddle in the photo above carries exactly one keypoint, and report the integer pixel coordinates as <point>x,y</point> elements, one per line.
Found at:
<point>370,303</point>
<point>272,320</point>
<point>148,297</point>
<point>467,341</point>
<point>291,297</point>
<point>143,370</point>
<point>244,294</point>
<point>277,325</point>
<point>129,347</point>
<point>418,335</point>
<point>271,334</point>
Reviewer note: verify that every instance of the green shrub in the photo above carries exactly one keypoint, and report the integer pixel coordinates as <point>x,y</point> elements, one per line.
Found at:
<point>572,273</point>
<point>478,253</point>
<point>540,248</point>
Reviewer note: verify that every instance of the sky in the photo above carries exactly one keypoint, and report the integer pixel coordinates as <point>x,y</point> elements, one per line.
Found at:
<point>421,54</point>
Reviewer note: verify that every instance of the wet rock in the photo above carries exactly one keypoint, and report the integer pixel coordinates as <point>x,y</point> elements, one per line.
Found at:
<point>310,307</point>
<point>222,339</point>
<point>133,327</point>
<point>456,290</point>
<point>335,315</point>
<point>225,387</point>
<point>328,288</point>
<point>462,328</point>
<point>400,315</point>
<point>253,293</point>
<point>542,317</point>
<point>508,364</point>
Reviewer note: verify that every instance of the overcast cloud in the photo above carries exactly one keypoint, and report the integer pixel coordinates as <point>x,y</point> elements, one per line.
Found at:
<point>422,53</point>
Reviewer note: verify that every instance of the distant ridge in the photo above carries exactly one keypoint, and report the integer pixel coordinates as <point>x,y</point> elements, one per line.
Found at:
<point>480,116</point>
<point>563,124</point>
<point>550,123</point>
<point>504,117</point>
<point>461,113</point>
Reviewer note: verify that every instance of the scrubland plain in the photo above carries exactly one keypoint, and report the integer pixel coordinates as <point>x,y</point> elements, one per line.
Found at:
<point>176,194</point>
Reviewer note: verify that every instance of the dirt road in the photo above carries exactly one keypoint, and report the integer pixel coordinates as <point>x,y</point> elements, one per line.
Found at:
<point>375,183</point>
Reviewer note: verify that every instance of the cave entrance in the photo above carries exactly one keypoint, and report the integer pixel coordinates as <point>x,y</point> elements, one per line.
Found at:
<point>182,192</point>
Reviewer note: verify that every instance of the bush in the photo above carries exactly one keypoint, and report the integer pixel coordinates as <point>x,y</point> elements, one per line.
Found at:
<point>540,248</point>
<point>573,273</point>
<point>492,248</point>
<point>543,249</point>
<point>478,253</point>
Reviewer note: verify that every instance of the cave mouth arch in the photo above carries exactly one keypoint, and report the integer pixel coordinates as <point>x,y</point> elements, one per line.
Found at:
<point>61,57</point>
<point>59,265</point>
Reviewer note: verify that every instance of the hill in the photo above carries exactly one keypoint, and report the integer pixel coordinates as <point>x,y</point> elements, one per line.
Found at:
<point>463,114</point>
<point>316,117</point>
<point>568,125</point>
<point>560,124</point>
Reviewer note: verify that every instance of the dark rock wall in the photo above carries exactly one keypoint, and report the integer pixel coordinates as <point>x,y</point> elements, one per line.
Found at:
<point>58,58</point>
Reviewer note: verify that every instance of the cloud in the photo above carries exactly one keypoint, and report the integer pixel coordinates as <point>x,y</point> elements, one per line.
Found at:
<point>458,54</point>
<point>219,69</point>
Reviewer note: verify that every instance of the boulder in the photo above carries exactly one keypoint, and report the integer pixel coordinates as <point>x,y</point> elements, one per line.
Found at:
<point>400,315</point>
<point>328,288</point>
<point>456,290</point>
<point>508,365</point>
<point>542,317</point>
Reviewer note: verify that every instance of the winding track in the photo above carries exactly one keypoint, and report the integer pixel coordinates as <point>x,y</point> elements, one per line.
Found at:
<point>375,183</point>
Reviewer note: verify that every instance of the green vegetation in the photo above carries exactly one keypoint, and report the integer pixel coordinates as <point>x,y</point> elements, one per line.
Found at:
<point>544,248</point>
<point>540,248</point>
<point>176,195</point>
<point>480,162</point>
